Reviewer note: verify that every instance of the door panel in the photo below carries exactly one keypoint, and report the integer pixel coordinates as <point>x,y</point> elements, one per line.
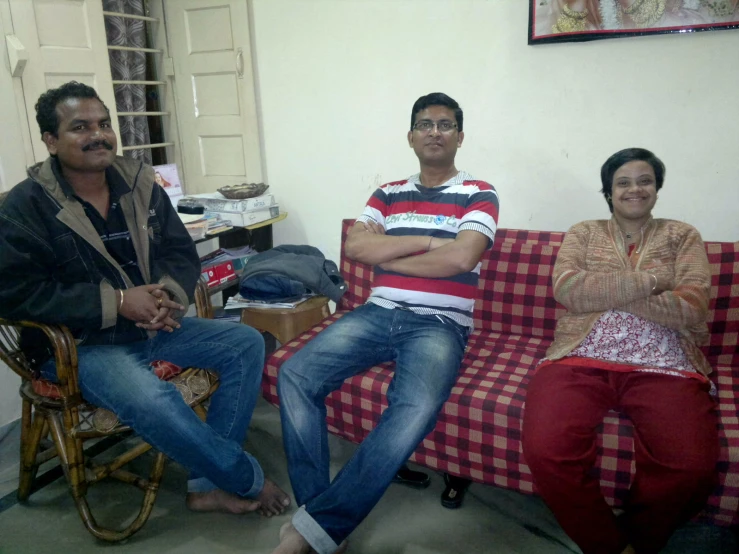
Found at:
<point>65,40</point>
<point>214,85</point>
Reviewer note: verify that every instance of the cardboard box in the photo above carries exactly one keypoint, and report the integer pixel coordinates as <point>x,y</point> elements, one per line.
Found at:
<point>244,219</point>
<point>216,202</point>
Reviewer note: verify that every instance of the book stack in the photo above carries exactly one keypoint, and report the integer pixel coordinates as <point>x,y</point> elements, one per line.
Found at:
<point>239,213</point>
<point>216,224</point>
<point>239,257</point>
<point>225,264</point>
<point>206,225</point>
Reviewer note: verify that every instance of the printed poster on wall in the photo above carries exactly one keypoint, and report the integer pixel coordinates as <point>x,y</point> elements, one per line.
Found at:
<point>167,177</point>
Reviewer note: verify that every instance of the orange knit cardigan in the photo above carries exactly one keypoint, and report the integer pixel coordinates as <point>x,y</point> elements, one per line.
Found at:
<point>593,274</point>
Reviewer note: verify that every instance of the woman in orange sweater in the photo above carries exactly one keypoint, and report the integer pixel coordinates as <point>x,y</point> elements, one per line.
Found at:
<point>636,290</point>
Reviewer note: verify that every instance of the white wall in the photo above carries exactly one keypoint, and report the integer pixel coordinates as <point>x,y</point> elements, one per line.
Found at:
<point>12,170</point>
<point>337,79</point>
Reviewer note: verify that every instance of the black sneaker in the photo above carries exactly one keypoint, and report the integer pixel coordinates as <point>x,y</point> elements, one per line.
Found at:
<point>410,478</point>
<point>454,492</point>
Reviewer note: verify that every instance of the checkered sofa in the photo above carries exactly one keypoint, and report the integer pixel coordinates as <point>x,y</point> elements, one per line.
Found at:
<point>478,434</point>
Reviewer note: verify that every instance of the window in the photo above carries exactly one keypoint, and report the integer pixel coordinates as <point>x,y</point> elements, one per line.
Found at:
<point>137,52</point>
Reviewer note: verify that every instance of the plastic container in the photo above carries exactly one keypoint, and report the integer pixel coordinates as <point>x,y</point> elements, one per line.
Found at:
<point>190,206</point>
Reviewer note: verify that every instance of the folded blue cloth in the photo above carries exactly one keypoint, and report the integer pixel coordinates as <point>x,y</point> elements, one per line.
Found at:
<point>272,288</point>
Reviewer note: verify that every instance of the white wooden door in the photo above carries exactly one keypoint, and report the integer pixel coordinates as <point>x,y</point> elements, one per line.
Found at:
<point>65,41</point>
<point>214,86</point>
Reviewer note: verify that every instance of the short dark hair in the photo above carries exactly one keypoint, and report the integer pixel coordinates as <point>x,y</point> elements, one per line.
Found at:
<point>46,116</point>
<point>437,99</point>
<point>623,157</point>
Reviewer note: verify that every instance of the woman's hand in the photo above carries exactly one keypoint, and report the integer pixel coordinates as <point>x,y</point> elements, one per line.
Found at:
<point>660,285</point>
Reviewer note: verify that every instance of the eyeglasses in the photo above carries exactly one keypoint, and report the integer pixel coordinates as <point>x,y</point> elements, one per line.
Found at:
<point>444,126</point>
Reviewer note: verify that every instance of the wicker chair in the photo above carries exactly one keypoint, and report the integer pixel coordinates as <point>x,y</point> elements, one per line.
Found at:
<point>60,411</point>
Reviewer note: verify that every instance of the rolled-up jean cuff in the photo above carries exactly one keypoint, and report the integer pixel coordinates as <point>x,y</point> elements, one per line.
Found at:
<point>201,484</point>
<point>313,533</point>
<point>258,483</point>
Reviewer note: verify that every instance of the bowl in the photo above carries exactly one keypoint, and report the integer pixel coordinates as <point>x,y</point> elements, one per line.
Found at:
<point>244,190</point>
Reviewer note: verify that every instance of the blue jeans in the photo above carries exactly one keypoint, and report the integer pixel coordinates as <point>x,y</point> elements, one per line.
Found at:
<point>427,351</point>
<point>120,379</point>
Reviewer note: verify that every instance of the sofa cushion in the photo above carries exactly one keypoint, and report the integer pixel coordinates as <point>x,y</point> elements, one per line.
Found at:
<point>723,505</point>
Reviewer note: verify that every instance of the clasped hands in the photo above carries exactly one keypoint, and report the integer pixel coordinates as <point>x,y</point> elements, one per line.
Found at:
<point>150,307</point>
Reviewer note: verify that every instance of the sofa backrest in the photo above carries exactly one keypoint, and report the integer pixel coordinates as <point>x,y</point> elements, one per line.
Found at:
<point>723,315</point>
<point>515,289</point>
<point>358,276</point>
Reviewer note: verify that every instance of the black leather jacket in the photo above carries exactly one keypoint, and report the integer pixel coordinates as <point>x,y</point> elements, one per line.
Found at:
<point>54,267</point>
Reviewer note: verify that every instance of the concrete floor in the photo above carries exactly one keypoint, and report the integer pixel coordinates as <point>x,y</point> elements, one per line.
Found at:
<point>406,521</point>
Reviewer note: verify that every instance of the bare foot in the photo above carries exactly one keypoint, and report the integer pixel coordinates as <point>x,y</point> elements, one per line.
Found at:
<point>220,501</point>
<point>291,542</point>
<point>273,499</point>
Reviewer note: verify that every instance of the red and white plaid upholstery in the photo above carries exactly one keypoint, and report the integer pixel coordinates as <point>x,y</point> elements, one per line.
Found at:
<point>478,434</point>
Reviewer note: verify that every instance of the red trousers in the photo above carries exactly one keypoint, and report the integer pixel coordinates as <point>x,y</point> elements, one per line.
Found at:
<point>676,449</point>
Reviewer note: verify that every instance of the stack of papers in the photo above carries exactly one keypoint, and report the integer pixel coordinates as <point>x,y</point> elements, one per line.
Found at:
<point>238,302</point>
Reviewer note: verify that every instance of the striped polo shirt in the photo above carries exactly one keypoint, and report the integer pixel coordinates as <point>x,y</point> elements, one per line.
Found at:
<point>408,208</point>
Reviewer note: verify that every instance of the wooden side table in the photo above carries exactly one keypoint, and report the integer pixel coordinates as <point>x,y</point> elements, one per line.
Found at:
<point>286,324</point>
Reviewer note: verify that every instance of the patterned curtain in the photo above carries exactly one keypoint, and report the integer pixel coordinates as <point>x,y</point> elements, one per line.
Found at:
<point>129,66</point>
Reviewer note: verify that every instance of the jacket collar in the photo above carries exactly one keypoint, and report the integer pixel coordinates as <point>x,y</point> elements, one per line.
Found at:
<point>121,175</point>
<point>138,180</point>
<point>116,183</point>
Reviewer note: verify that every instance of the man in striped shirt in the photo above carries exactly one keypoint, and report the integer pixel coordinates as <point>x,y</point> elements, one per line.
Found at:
<point>425,236</point>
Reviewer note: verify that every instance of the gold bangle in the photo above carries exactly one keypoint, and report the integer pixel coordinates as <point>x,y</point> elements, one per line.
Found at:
<point>656,282</point>
<point>120,302</point>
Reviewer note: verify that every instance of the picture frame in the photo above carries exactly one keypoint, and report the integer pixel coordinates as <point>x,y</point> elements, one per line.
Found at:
<point>552,21</point>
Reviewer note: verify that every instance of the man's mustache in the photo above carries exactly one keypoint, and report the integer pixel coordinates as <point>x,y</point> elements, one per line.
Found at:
<point>103,143</point>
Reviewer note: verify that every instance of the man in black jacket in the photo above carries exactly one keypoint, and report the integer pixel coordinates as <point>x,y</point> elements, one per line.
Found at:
<point>91,242</point>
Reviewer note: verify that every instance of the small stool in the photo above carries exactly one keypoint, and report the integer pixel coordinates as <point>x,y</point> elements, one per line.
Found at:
<point>286,324</point>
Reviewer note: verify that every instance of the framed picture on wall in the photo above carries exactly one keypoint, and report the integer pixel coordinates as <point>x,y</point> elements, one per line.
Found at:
<point>580,20</point>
